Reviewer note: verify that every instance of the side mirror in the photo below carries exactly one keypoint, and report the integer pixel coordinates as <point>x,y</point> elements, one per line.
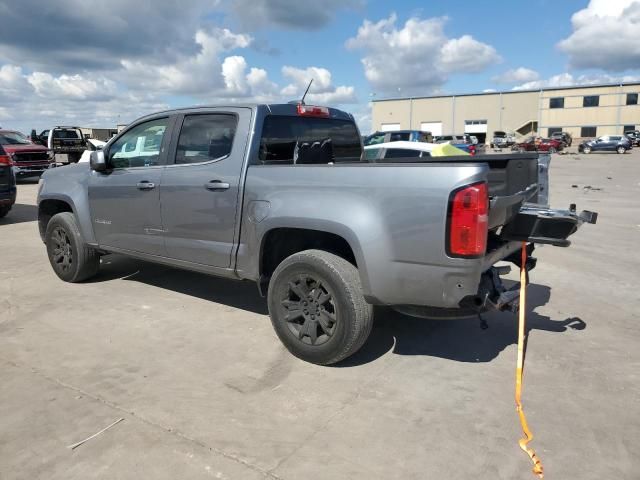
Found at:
<point>97,161</point>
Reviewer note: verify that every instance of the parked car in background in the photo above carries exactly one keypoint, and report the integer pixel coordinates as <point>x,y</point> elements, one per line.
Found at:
<point>606,143</point>
<point>538,144</point>
<point>28,158</point>
<point>398,136</point>
<point>502,139</point>
<point>280,195</point>
<point>463,142</point>
<point>381,151</point>
<point>633,136</point>
<point>564,137</point>
<point>7,183</point>
<point>92,146</point>
<point>453,139</point>
<point>67,141</point>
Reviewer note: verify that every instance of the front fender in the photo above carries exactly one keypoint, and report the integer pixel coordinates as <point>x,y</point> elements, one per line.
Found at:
<point>69,184</point>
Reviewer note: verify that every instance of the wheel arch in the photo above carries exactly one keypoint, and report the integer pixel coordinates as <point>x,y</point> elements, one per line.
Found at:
<point>279,242</point>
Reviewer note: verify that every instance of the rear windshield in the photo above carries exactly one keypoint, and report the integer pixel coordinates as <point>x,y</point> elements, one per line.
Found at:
<point>13,138</point>
<point>66,133</point>
<point>291,140</point>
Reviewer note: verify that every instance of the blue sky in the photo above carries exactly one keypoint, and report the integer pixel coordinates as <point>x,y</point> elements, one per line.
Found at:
<point>59,65</point>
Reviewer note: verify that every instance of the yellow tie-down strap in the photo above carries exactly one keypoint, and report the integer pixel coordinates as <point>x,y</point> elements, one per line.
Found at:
<point>528,436</point>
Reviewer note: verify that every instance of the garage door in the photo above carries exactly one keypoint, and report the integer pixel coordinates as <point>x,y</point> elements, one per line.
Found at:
<point>389,127</point>
<point>475,126</point>
<point>434,127</point>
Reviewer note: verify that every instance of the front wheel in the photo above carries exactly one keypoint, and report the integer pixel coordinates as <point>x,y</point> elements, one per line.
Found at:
<point>552,150</point>
<point>72,260</point>
<point>4,210</point>
<point>317,307</point>
<point>586,150</point>
<point>621,149</point>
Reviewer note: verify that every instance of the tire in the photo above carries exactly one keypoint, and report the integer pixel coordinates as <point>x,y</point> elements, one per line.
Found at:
<point>552,150</point>
<point>71,259</point>
<point>586,150</point>
<point>521,150</point>
<point>621,149</point>
<point>73,157</point>
<point>333,320</point>
<point>4,211</point>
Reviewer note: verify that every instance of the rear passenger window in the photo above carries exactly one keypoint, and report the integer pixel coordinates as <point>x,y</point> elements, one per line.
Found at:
<point>204,138</point>
<point>303,140</point>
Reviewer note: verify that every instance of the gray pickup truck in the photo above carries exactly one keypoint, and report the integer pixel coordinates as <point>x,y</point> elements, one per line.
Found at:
<point>281,195</point>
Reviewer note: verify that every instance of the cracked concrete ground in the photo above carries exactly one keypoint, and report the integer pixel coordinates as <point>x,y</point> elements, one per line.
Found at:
<point>207,391</point>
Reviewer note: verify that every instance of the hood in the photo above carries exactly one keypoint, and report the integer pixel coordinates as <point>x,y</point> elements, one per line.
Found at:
<point>24,148</point>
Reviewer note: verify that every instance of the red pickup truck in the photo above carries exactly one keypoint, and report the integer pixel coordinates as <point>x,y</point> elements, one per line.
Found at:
<point>28,158</point>
<point>537,144</point>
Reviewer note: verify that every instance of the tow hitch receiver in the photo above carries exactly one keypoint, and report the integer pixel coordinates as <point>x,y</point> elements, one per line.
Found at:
<point>494,295</point>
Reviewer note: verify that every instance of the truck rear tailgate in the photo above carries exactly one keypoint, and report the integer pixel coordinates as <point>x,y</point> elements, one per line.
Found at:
<point>518,192</point>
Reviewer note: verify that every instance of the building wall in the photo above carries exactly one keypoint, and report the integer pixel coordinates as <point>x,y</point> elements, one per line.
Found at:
<point>609,117</point>
<point>511,110</point>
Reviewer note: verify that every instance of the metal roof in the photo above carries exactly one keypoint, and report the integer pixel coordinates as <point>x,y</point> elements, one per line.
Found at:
<point>506,92</point>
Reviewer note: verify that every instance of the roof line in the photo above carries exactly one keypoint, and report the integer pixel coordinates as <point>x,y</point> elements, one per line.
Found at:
<point>505,92</point>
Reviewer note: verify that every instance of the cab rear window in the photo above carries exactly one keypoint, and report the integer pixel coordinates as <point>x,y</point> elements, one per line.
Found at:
<point>288,140</point>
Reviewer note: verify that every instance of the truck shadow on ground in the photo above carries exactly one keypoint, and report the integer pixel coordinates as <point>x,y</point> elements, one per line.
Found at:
<point>460,340</point>
<point>237,294</point>
<point>20,213</point>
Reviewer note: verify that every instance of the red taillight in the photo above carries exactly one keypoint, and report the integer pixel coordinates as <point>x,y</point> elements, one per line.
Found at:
<point>6,160</point>
<point>312,111</point>
<point>472,150</point>
<point>468,221</point>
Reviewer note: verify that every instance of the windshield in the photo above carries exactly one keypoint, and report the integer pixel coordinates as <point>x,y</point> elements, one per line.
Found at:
<point>13,138</point>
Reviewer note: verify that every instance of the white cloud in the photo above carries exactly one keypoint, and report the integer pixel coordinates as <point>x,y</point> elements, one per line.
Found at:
<point>190,74</point>
<point>322,90</point>
<point>75,86</point>
<point>466,54</point>
<point>568,80</point>
<point>606,35</point>
<point>418,57</point>
<point>517,75</point>
<point>214,71</point>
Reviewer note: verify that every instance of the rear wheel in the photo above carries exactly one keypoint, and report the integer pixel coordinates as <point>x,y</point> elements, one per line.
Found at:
<point>73,157</point>
<point>4,210</point>
<point>317,307</point>
<point>71,259</point>
<point>552,150</point>
<point>621,149</point>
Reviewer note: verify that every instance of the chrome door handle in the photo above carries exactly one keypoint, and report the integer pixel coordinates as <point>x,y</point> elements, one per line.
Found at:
<point>144,185</point>
<point>217,185</point>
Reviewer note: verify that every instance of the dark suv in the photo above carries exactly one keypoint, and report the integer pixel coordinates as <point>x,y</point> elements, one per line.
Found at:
<point>606,143</point>
<point>563,137</point>
<point>7,183</point>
